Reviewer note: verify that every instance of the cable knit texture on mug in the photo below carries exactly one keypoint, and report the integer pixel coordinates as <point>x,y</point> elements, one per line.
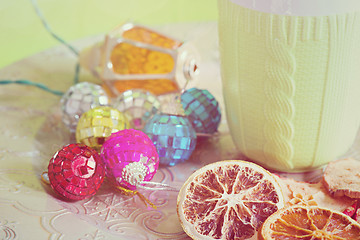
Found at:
<point>279,90</point>
<point>289,85</point>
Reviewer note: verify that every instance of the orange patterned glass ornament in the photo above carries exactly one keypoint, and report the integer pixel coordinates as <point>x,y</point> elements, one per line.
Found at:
<point>134,56</point>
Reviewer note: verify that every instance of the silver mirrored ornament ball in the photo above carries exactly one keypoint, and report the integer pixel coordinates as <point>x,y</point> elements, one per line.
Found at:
<point>138,105</point>
<point>79,99</point>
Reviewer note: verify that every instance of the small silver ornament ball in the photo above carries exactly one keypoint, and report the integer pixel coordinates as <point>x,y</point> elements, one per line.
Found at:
<point>79,99</point>
<point>138,105</point>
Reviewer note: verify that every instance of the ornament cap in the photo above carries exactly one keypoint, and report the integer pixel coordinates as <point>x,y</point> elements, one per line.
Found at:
<point>134,173</point>
<point>173,106</point>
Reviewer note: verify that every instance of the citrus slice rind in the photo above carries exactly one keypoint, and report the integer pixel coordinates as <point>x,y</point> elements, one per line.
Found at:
<point>228,200</point>
<point>304,222</point>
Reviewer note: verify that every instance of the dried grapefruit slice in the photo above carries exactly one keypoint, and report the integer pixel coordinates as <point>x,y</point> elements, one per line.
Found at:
<point>310,223</point>
<point>228,200</point>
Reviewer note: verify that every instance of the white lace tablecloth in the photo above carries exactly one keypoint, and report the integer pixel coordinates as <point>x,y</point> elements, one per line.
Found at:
<point>31,131</point>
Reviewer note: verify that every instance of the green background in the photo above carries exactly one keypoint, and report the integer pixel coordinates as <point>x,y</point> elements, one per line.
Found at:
<point>22,33</point>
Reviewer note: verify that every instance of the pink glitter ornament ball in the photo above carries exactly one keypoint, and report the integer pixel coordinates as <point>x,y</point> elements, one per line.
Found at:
<point>130,158</point>
<point>76,172</point>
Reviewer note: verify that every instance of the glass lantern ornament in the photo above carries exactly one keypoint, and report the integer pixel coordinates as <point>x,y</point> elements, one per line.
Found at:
<point>172,134</point>
<point>136,57</point>
<point>80,98</point>
<point>76,172</point>
<point>202,109</point>
<point>130,158</point>
<point>138,105</point>
<point>97,124</point>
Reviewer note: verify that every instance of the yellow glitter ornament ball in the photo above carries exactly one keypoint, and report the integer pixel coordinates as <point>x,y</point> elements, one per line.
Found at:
<point>97,124</point>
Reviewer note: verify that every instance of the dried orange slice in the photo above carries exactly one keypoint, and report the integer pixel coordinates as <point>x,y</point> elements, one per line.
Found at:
<point>228,200</point>
<point>312,223</point>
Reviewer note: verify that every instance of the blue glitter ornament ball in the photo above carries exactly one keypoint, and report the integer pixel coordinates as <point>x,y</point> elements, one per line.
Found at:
<point>202,109</point>
<point>173,136</point>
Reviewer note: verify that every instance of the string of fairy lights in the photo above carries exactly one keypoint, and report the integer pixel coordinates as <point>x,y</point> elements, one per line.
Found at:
<point>125,138</point>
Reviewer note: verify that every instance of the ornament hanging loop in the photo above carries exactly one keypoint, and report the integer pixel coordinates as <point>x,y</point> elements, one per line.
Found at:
<point>156,186</point>
<point>190,70</point>
<point>134,173</point>
<point>45,178</point>
<point>129,192</point>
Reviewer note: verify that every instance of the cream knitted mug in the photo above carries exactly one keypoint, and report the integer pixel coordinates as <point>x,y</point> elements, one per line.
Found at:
<point>291,79</point>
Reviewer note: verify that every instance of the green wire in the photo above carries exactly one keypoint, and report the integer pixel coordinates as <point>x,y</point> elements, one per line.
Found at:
<point>77,70</point>
<point>52,33</point>
<point>48,28</point>
<point>29,83</point>
<point>72,49</point>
